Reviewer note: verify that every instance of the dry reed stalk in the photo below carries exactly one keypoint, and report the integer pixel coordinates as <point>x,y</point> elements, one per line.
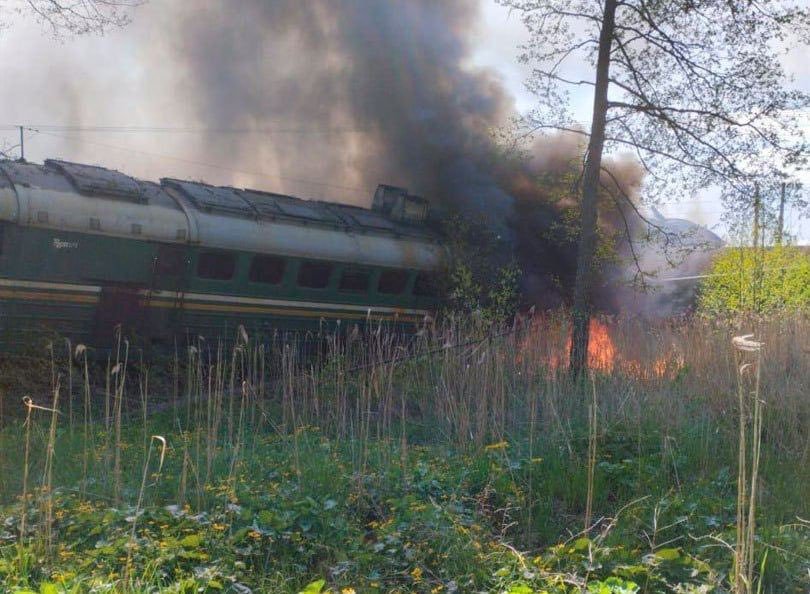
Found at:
<point>216,383</point>
<point>143,391</point>
<point>210,440</point>
<point>175,379</point>
<point>592,434</point>
<point>253,380</point>
<point>70,383</point>
<point>182,483</point>
<point>239,439</point>
<point>108,376</point>
<point>107,395</point>
<point>288,372</point>
<point>86,417</point>
<point>756,450</point>
<point>120,373</point>
<point>47,475</point>
<point>131,543</point>
<point>29,408</point>
<point>231,394</point>
<point>530,479</point>
<point>747,480</point>
<point>191,351</point>
<point>403,434</point>
<point>262,394</point>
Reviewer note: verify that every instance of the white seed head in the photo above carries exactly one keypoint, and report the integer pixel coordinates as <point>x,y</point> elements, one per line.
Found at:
<point>744,343</point>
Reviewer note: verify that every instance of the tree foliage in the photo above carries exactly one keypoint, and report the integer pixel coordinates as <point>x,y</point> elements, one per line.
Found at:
<point>480,280</point>
<point>75,17</point>
<point>694,88</point>
<point>744,280</point>
<point>697,88</point>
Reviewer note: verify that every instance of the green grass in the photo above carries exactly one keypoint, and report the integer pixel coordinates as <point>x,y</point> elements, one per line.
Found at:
<point>461,472</point>
<point>432,519</point>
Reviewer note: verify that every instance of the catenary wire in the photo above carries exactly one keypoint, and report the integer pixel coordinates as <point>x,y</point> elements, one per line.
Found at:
<point>201,163</point>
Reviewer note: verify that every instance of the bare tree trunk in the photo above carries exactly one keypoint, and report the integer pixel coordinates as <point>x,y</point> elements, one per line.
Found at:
<point>590,190</point>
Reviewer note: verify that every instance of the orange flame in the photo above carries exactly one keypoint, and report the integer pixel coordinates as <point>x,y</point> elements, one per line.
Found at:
<point>603,355</point>
<point>601,352</point>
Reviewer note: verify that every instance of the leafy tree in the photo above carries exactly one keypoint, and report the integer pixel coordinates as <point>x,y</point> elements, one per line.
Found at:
<point>694,88</point>
<point>481,280</point>
<point>744,279</point>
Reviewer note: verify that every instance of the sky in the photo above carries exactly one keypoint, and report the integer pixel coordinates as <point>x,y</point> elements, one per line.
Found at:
<point>48,82</point>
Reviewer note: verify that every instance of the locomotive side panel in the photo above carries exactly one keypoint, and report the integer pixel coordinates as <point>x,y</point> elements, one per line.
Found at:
<point>84,249</point>
<point>54,282</point>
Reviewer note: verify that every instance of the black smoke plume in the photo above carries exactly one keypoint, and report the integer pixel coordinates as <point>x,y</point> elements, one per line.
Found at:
<point>377,92</point>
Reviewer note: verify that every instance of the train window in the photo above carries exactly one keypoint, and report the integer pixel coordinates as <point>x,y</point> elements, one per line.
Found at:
<point>426,285</point>
<point>267,269</point>
<point>354,280</point>
<point>314,275</point>
<point>392,282</point>
<point>216,265</point>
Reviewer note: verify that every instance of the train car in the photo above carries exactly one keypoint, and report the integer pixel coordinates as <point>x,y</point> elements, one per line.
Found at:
<point>84,249</point>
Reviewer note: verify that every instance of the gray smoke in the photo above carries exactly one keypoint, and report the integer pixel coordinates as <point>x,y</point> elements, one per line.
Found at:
<point>672,254</point>
<point>375,91</point>
<point>320,99</point>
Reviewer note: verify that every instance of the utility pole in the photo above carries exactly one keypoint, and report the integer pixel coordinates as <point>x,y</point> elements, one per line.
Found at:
<point>759,251</point>
<point>22,145</point>
<point>780,225</point>
<point>756,216</point>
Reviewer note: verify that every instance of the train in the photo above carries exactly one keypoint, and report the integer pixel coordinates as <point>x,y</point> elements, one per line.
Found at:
<point>88,252</point>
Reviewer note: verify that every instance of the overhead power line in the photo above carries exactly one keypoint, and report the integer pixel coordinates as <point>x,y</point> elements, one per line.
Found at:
<point>200,163</point>
<point>187,130</point>
<point>720,274</point>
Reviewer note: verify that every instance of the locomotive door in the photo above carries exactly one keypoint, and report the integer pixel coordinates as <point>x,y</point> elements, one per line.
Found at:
<point>167,292</point>
<point>118,306</point>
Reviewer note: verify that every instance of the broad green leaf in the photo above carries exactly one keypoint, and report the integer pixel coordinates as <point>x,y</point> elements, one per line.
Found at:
<point>612,585</point>
<point>192,541</point>
<point>581,544</point>
<point>314,588</point>
<point>667,554</point>
<point>48,588</point>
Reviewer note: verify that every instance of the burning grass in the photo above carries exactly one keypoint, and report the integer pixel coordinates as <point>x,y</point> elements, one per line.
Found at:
<point>425,467</point>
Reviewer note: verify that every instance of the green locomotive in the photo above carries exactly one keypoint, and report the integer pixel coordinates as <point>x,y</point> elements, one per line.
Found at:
<point>85,249</point>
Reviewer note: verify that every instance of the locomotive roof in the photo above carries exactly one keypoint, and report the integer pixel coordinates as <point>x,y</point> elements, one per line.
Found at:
<point>88,180</point>
<point>92,180</point>
<point>226,217</point>
<point>229,201</point>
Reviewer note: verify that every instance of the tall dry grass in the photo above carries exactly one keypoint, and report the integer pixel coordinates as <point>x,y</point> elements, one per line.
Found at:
<point>454,384</point>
